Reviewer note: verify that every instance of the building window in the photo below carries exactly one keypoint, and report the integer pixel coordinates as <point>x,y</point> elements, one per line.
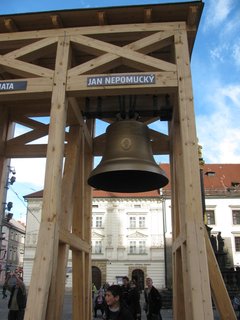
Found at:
<point>14,258</point>
<point>98,247</point>
<point>137,222</point>
<point>137,247</point>
<point>236,216</point>
<point>141,222</point>
<point>237,244</point>
<point>133,223</point>
<point>10,254</point>
<point>98,222</point>
<point>133,247</point>
<point>142,247</point>
<point>210,216</point>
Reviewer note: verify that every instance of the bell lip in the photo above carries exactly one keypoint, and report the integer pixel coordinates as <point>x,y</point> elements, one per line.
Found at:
<point>100,180</point>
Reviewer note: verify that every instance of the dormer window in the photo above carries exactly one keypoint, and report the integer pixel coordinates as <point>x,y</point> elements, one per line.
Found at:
<point>210,173</point>
<point>235,184</point>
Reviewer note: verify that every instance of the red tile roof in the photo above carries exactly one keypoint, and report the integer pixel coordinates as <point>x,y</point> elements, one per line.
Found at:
<point>218,178</point>
<point>225,180</point>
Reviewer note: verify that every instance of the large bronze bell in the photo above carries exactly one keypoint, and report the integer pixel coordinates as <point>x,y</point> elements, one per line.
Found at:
<point>127,164</point>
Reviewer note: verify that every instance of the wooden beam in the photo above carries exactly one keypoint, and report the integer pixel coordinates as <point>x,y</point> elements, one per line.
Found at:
<point>182,309</point>
<point>102,18</point>
<point>78,115</point>
<point>26,151</point>
<point>34,50</point>
<point>87,196</point>
<point>28,122</point>
<point>66,238</point>
<point>35,86</point>
<point>104,30</point>
<point>41,108</point>
<point>46,252</point>
<point>78,229</point>
<point>110,60</point>
<point>194,258</point>
<point>179,242</point>
<point>165,82</point>
<point>152,42</point>
<point>97,65</point>
<point>148,15</point>
<point>219,291</point>
<point>160,142</point>
<point>56,21</point>
<point>30,136</point>
<point>163,79</point>
<point>130,57</point>
<point>10,25</point>
<point>24,69</point>
<point>192,16</point>
<point>74,241</point>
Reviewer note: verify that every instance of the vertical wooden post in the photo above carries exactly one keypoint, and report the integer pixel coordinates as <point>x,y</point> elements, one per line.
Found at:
<point>82,228</point>
<point>56,299</point>
<point>189,247</point>
<point>88,219</point>
<point>78,261</point>
<point>179,268</point>
<point>46,252</point>
<point>219,291</point>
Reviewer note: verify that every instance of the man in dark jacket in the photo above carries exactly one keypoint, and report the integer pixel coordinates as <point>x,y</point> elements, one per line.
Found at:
<point>116,308</point>
<point>125,289</point>
<point>153,301</point>
<point>18,298</point>
<point>134,300</point>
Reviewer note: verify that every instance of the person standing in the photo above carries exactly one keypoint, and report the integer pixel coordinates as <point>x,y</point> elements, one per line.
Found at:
<point>125,289</point>
<point>94,291</point>
<point>18,298</point>
<point>99,303</point>
<point>134,300</point>
<point>153,301</point>
<point>116,308</point>
<point>236,305</point>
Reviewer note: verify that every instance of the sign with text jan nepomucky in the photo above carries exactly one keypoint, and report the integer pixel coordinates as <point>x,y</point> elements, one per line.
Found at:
<point>13,85</point>
<point>116,80</point>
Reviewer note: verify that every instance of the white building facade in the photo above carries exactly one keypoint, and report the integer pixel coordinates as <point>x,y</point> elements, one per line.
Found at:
<point>127,238</point>
<point>132,233</point>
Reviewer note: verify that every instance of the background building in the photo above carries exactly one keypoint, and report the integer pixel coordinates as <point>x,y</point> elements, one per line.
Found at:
<point>222,214</point>
<point>127,237</point>
<point>12,248</point>
<point>132,233</point>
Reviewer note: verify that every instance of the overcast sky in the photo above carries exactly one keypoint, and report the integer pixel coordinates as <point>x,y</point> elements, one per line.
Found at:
<point>215,67</point>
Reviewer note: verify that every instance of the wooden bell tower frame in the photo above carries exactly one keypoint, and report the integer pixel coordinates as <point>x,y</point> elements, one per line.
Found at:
<point>45,64</point>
